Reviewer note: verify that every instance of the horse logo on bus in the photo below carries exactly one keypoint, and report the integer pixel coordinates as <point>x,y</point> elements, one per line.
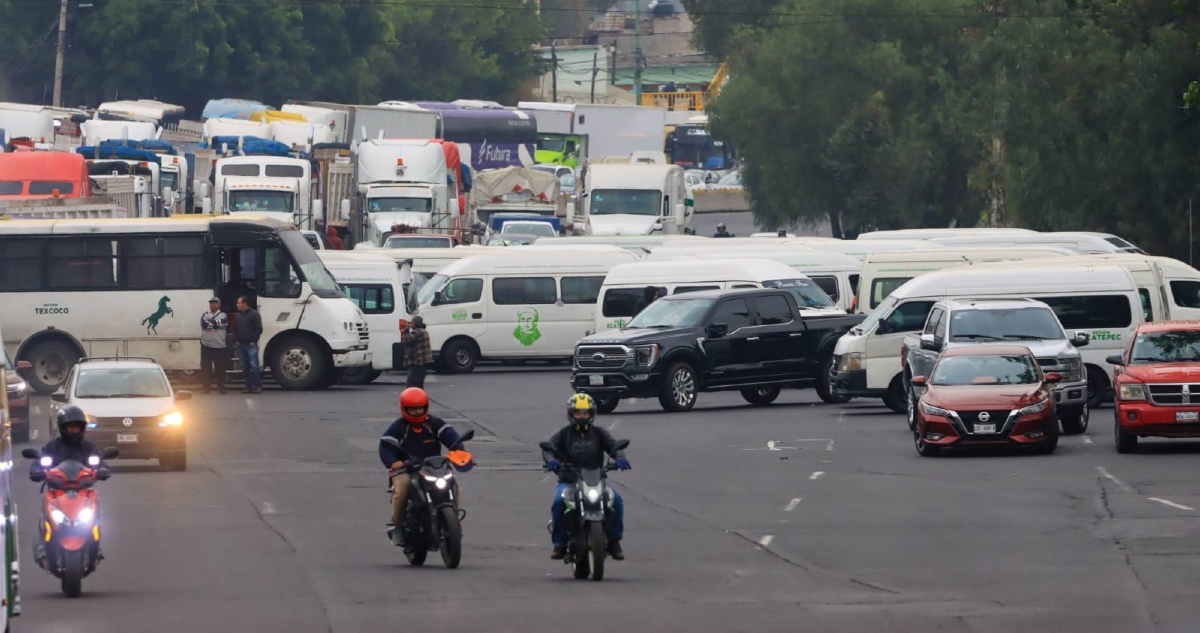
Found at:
<point>151,322</point>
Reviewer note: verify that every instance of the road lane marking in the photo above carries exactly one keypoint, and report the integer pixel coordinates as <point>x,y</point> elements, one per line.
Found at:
<point>829,447</point>
<point>614,424</point>
<point>1120,484</point>
<point>766,540</point>
<point>1177,506</point>
<point>792,504</point>
<point>267,508</point>
<point>250,403</point>
<point>815,476</point>
<point>1087,440</point>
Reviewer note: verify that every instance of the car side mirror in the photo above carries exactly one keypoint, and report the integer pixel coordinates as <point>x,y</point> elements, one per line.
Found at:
<point>180,396</point>
<point>883,327</point>
<point>1053,377</point>
<point>59,396</point>
<point>1081,339</point>
<point>110,453</point>
<point>918,381</point>
<point>717,330</point>
<point>622,445</point>
<point>928,342</point>
<point>1115,359</point>
<point>468,436</point>
<point>30,453</point>
<point>23,366</point>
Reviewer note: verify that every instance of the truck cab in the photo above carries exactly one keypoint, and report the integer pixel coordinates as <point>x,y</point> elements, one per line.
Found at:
<point>635,199</point>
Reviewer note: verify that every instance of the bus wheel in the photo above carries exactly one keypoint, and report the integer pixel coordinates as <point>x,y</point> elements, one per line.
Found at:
<point>299,364</point>
<point>52,360</point>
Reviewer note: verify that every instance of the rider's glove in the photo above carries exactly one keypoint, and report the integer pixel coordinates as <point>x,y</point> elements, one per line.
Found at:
<point>553,465</point>
<point>103,474</point>
<point>623,463</point>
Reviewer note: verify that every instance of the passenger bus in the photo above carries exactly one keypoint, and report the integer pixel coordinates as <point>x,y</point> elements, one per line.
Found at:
<point>137,287</point>
<point>691,146</point>
<point>8,522</point>
<point>488,136</point>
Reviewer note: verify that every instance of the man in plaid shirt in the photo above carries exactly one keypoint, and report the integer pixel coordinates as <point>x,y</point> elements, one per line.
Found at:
<point>418,355</point>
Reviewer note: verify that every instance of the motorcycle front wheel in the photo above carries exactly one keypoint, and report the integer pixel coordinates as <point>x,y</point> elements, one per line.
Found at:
<point>597,549</point>
<point>72,578</point>
<point>451,537</point>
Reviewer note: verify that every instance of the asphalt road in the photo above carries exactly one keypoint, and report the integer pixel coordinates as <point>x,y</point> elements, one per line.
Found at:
<point>742,224</point>
<point>278,525</point>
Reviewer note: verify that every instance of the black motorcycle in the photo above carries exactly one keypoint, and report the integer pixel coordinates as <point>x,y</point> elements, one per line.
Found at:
<point>430,519</point>
<point>589,513</point>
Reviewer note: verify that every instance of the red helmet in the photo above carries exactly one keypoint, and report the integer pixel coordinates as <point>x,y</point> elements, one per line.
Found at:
<point>414,405</point>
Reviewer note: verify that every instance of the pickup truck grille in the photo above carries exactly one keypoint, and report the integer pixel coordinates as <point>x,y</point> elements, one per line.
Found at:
<point>1174,394</point>
<point>601,357</point>
<point>1048,363</point>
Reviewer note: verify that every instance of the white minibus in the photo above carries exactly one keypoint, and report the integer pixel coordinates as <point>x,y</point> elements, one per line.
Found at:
<point>1081,241</point>
<point>928,234</point>
<point>860,249</point>
<point>376,283</point>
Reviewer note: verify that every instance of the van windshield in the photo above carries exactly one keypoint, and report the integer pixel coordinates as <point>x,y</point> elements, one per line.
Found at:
<point>672,313</point>
<point>430,289</point>
<point>1023,324</point>
<point>808,294</point>
<point>628,201</point>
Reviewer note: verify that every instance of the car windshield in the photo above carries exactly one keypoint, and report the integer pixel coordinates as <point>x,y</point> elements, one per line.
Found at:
<point>1179,346</point>
<point>630,201</point>
<point>808,294</point>
<point>669,313</point>
<point>1023,324</point>
<point>311,266</point>
<point>122,383</point>
<point>990,369</point>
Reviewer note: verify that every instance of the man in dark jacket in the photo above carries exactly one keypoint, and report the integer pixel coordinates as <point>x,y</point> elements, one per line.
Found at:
<point>649,295</point>
<point>420,435</point>
<point>70,444</point>
<point>246,331</point>
<point>583,445</point>
<point>418,355</point>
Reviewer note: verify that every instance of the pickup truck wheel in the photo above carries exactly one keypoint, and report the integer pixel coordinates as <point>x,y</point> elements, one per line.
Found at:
<point>825,384</point>
<point>678,392</point>
<point>1098,387</point>
<point>607,405</point>
<point>897,395</point>
<point>1075,422</point>
<point>761,397</point>
<point>925,449</point>
<point>1126,442</point>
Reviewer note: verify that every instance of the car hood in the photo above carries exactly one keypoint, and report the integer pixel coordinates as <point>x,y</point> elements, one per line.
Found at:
<point>984,396</point>
<point>622,224</point>
<point>1164,372</point>
<point>125,407</point>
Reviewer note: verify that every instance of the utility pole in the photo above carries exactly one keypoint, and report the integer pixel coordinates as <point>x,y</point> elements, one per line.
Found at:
<point>58,59</point>
<point>595,71</point>
<point>553,73</point>
<point>637,55</point>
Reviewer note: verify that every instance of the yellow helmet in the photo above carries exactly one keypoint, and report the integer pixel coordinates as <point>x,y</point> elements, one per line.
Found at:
<point>581,402</point>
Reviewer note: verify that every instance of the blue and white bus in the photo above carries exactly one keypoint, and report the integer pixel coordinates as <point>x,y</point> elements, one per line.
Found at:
<point>489,136</point>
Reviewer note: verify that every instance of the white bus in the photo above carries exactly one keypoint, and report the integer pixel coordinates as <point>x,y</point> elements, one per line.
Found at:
<point>137,287</point>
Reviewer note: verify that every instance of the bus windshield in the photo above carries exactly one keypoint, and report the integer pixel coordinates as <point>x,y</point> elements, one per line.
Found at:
<point>311,267</point>
<point>269,201</point>
<point>628,201</point>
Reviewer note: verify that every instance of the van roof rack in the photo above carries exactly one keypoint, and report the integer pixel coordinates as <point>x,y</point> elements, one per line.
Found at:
<point>86,359</point>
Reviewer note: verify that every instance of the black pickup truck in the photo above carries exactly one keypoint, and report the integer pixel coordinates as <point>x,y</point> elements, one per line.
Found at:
<point>754,341</point>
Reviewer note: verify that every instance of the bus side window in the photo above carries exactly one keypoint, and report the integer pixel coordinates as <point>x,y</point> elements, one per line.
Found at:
<point>278,274</point>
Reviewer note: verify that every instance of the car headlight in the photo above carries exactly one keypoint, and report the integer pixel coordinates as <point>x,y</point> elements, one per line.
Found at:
<point>57,516</point>
<point>1074,367</point>
<point>19,389</point>
<point>645,355</point>
<point>85,516</point>
<point>1133,391</point>
<point>929,409</point>
<point>1034,408</point>
<point>174,418</point>
<point>850,362</point>
<point>592,494</point>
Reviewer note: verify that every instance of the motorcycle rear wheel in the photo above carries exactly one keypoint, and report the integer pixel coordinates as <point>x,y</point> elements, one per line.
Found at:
<point>451,537</point>
<point>72,578</point>
<point>597,549</point>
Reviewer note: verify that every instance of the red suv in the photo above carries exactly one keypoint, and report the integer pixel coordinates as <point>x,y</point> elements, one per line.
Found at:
<point>1157,384</point>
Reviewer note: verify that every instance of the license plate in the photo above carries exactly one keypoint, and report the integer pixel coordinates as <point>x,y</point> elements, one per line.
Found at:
<point>985,429</point>
<point>127,438</point>
<point>1187,416</point>
<point>596,381</point>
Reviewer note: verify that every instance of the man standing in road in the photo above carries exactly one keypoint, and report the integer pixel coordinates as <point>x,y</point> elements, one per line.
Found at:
<point>418,355</point>
<point>247,330</point>
<point>214,351</point>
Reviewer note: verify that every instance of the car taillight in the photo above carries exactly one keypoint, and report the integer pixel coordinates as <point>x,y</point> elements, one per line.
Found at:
<point>903,354</point>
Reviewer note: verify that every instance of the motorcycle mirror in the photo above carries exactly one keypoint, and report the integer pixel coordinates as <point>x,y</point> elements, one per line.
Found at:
<point>545,446</point>
<point>468,436</point>
<point>30,453</point>
<point>622,445</point>
<point>110,453</point>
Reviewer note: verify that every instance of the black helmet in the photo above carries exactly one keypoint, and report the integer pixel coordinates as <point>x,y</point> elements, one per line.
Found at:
<point>71,414</point>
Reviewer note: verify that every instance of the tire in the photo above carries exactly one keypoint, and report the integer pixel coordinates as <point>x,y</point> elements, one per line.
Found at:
<point>451,537</point>
<point>360,376</point>
<point>176,462</point>
<point>51,361</point>
<point>1076,422</point>
<point>597,549</point>
<point>925,449</point>
<point>896,398</point>
<point>72,578</point>
<point>460,356</point>
<point>1126,442</point>
<point>825,384</point>
<point>679,389</point>
<point>1050,444</point>
<point>416,556</point>
<point>299,364</point>
<point>20,434</point>
<point>761,397</point>
<point>607,405</point>
<point>1098,387</point>
<point>911,406</point>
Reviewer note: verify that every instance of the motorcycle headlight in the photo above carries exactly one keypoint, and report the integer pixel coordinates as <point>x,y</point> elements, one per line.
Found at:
<point>1035,408</point>
<point>174,418</point>
<point>85,516</point>
<point>46,462</point>
<point>929,409</point>
<point>645,355</point>
<point>440,483</point>
<point>850,362</point>
<point>93,460</point>
<point>57,516</point>
<point>592,494</point>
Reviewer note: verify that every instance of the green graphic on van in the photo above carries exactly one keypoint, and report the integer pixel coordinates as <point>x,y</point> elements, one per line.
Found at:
<point>151,322</point>
<point>527,327</point>
<point>1105,335</point>
<point>459,315</point>
<point>618,324</point>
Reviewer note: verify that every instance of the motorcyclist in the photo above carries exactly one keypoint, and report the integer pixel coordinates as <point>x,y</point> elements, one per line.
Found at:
<point>70,444</point>
<point>420,435</point>
<point>583,445</point>
<point>721,232</point>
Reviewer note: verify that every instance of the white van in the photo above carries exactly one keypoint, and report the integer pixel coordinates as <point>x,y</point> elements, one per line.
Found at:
<point>1100,300</point>
<point>625,286</point>
<point>884,272</point>
<point>835,273</point>
<point>375,283</point>
<point>513,306</point>
<point>929,234</point>
<point>861,249</point>
<point>1081,241</point>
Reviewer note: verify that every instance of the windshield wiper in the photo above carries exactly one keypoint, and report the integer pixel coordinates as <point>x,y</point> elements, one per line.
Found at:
<point>135,395</point>
<point>975,336</point>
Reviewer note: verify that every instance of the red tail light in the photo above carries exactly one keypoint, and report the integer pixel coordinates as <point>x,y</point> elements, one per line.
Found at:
<point>903,355</point>
<point>854,304</point>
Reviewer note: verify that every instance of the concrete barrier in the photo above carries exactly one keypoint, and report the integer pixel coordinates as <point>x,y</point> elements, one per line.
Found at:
<point>721,200</point>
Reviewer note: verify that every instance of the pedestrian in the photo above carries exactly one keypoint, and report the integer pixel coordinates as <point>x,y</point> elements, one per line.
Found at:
<point>335,242</point>
<point>214,349</point>
<point>649,295</point>
<point>418,354</point>
<point>782,233</point>
<point>247,330</point>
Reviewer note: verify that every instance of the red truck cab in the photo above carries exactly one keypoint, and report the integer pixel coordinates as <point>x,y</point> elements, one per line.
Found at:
<point>30,175</point>
<point>1157,384</point>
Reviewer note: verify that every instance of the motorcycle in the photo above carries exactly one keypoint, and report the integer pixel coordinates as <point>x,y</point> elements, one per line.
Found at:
<point>430,519</point>
<point>589,512</point>
<point>69,547</point>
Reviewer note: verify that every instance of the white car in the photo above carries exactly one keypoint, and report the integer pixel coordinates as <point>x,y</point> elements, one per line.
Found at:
<point>129,404</point>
